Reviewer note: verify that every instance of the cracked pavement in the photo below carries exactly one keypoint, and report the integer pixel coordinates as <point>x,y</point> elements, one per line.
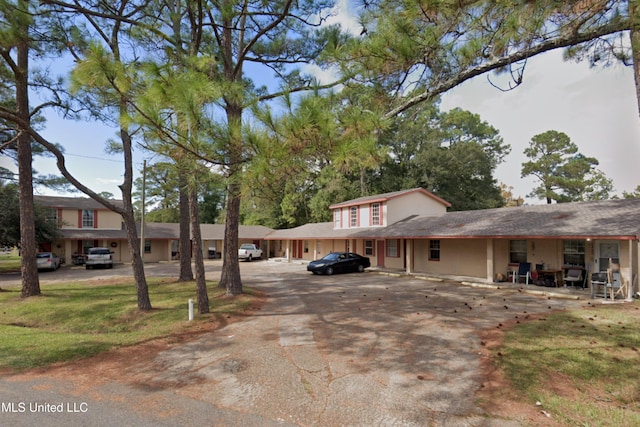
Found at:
<point>343,350</point>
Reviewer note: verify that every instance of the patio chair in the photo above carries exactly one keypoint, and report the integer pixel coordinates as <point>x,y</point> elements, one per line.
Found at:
<point>573,278</point>
<point>524,272</point>
<point>599,285</point>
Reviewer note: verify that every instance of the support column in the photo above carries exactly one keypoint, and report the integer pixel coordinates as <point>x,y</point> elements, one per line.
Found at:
<point>490,262</point>
<point>409,256</point>
<point>287,251</point>
<point>632,284</point>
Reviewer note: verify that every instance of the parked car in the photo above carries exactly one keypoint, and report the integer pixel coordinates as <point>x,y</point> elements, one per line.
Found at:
<point>47,261</point>
<point>249,251</point>
<point>339,262</point>
<point>98,257</point>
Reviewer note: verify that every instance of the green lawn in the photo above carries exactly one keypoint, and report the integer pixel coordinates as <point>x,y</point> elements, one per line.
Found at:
<point>581,365</point>
<point>80,320</point>
<point>9,262</point>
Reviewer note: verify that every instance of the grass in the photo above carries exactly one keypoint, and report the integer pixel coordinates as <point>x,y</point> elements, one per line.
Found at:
<point>9,262</point>
<point>79,320</point>
<point>582,365</point>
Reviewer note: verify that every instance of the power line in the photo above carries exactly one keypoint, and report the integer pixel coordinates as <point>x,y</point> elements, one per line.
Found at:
<point>92,157</point>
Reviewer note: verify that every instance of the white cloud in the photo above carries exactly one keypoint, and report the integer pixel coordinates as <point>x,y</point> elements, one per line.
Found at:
<point>343,15</point>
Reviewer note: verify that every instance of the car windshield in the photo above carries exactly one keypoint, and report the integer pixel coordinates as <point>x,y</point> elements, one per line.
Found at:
<point>44,255</point>
<point>100,251</point>
<point>246,246</point>
<point>331,257</point>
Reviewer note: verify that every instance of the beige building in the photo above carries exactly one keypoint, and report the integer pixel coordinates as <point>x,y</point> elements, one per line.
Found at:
<point>408,230</point>
<point>84,223</point>
<point>412,231</point>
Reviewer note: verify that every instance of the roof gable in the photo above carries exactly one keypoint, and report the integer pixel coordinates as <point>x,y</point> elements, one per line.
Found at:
<point>388,196</point>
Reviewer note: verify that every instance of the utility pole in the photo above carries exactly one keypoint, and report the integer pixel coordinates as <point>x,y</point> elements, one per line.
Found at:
<point>144,179</point>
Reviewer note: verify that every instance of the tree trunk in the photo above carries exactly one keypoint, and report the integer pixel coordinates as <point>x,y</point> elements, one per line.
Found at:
<point>186,274</point>
<point>230,275</point>
<point>28,249</point>
<point>231,267</point>
<point>142,290</point>
<point>201,283</point>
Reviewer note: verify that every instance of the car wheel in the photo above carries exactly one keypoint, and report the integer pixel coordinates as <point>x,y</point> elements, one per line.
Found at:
<point>329,271</point>
<point>360,268</point>
<point>250,258</point>
<point>86,267</point>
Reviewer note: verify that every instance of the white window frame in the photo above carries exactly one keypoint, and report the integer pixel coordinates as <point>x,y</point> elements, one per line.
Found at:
<point>392,248</point>
<point>369,247</point>
<point>88,218</point>
<point>353,216</point>
<point>376,219</point>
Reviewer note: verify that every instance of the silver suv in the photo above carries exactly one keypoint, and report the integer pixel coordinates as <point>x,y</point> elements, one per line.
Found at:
<point>98,257</point>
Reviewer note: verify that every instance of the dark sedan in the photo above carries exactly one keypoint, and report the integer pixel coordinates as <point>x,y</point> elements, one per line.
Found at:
<point>339,262</point>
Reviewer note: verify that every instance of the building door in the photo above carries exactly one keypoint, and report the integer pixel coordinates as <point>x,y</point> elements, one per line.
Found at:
<point>297,249</point>
<point>380,253</point>
<point>605,251</point>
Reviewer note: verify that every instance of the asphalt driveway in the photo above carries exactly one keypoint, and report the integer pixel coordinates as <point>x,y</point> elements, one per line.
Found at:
<point>344,350</point>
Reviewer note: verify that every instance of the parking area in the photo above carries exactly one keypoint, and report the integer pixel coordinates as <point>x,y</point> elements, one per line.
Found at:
<point>355,349</point>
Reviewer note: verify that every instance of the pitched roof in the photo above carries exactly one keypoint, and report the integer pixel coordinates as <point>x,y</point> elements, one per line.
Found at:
<point>595,219</point>
<point>163,230</point>
<point>72,202</point>
<point>319,231</point>
<point>386,196</point>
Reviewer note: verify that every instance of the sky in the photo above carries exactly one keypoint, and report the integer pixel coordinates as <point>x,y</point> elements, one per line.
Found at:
<point>596,108</point>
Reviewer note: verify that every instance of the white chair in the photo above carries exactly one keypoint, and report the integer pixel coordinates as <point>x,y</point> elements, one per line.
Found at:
<point>573,278</point>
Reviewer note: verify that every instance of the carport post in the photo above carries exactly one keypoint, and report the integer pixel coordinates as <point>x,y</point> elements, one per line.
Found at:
<point>190,309</point>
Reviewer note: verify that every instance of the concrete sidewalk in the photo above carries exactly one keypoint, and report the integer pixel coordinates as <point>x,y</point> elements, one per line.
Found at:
<point>343,350</point>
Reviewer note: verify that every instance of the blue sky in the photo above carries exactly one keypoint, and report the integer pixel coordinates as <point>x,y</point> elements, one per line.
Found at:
<point>596,108</point>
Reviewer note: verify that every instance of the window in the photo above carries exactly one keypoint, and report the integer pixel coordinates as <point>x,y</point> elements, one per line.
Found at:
<point>368,247</point>
<point>87,219</point>
<point>353,215</point>
<point>392,248</point>
<point>375,214</point>
<point>574,252</point>
<point>147,246</point>
<point>52,215</point>
<point>336,218</point>
<point>434,250</point>
<point>517,251</point>
<point>306,246</point>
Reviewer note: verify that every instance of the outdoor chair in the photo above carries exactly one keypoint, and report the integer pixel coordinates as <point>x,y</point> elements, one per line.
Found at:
<point>573,278</point>
<point>599,285</point>
<point>524,272</point>
<point>615,284</point>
